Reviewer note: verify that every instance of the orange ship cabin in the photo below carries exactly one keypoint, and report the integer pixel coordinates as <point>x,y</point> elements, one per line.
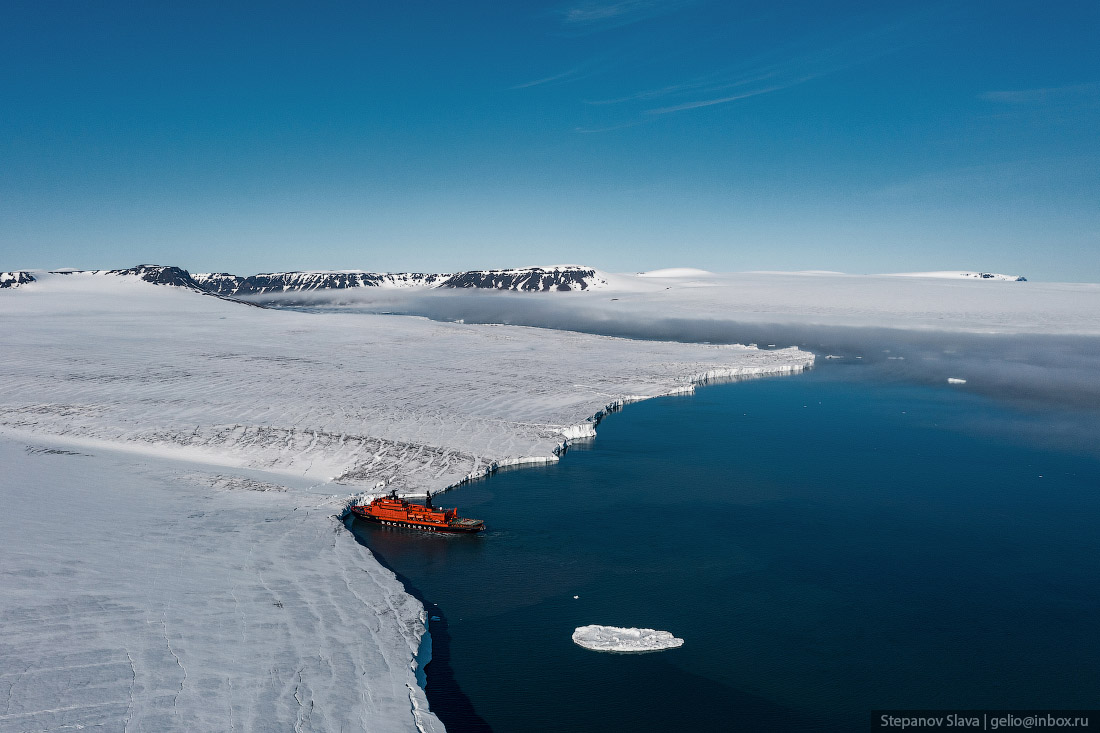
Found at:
<point>397,512</point>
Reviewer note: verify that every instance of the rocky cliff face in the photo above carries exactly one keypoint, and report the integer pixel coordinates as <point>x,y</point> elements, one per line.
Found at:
<point>537,279</point>
<point>531,279</point>
<point>525,279</point>
<point>223,283</point>
<point>161,275</point>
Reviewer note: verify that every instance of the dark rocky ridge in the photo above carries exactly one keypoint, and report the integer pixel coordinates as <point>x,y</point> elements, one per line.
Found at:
<point>280,282</point>
<point>15,279</point>
<point>226,285</point>
<point>162,275</point>
<point>531,279</point>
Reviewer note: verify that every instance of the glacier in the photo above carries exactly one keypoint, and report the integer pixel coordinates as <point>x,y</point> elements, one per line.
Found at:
<point>175,468</point>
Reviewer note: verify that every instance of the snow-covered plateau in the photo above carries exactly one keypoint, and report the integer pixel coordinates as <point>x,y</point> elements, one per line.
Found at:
<point>174,465</point>
<point>963,275</point>
<point>624,640</point>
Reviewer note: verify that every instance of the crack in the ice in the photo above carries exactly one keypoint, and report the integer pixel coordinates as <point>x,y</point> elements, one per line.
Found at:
<point>133,683</point>
<point>164,629</point>
<point>304,713</point>
<point>7,706</point>
<point>232,724</point>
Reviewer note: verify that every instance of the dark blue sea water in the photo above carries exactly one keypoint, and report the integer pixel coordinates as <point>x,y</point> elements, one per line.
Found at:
<point>826,545</point>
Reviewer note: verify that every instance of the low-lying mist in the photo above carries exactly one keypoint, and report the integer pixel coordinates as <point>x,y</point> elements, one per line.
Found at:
<point>1030,371</point>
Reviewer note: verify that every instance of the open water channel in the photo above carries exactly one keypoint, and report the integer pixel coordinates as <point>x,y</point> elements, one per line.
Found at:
<point>825,544</point>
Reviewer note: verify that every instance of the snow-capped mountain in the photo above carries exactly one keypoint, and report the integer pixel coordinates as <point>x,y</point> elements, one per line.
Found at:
<point>15,279</point>
<point>530,279</point>
<point>538,279</point>
<point>223,283</point>
<point>160,275</point>
<point>156,274</point>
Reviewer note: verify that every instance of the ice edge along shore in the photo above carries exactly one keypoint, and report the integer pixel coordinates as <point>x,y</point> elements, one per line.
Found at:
<point>587,431</point>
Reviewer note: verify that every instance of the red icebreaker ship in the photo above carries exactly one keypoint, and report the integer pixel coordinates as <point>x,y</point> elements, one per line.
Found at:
<point>397,512</point>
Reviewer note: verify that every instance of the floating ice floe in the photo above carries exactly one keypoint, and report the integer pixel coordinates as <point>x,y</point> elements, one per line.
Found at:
<point>616,639</point>
<point>955,380</point>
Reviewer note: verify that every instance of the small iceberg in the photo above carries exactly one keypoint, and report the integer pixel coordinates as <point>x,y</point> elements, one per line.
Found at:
<point>615,639</point>
<point>955,380</point>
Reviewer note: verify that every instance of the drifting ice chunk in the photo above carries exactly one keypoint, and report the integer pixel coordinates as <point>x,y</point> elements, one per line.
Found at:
<point>955,380</point>
<point>615,639</point>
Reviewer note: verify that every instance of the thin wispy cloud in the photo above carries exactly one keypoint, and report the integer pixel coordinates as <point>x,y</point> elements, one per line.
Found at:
<point>724,100</point>
<point>699,86</point>
<point>608,128</point>
<point>595,15</point>
<point>1045,95</point>
<point>777,70</point>
<point>568,74</point>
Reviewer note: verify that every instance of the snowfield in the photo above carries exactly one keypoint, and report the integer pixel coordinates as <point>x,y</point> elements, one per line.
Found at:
<point>964,275</point>
<point>157,595</point>
<point>174,465</point>
<point>617,639</point>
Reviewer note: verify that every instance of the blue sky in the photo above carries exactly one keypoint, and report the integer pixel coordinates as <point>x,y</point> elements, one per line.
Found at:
<point>628,134</point>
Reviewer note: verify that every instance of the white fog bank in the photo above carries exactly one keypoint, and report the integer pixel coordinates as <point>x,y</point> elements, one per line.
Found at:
<point>1022,341</point>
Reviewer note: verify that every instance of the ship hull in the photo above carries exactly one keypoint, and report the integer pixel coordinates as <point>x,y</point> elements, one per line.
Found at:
<point>464,528</point>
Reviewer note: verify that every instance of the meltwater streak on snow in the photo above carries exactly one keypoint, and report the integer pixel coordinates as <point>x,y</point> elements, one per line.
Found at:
<point>171,552</point>
<point>624,640</point>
